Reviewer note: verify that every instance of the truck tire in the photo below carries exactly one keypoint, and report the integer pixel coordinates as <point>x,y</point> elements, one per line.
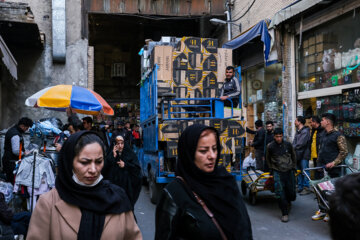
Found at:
<point>154,190</point>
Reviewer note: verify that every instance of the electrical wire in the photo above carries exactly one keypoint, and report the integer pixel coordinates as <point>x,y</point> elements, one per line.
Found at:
<point>243,13</point>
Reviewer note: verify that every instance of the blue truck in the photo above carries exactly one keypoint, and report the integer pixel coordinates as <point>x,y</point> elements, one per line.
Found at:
<point>159,110</point>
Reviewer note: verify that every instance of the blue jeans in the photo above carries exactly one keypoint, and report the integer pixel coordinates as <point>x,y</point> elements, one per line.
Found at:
<point>303,181</point>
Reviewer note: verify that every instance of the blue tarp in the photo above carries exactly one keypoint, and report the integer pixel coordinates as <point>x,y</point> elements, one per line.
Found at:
<point>260,29</point>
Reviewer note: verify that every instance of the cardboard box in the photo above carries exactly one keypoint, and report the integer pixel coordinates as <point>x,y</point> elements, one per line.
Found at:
<point>164,86</point>
<point>193,77</point>
<point>219,124</point>
<point>305,52</point>
<point>210,62</point>
<point>319,67</point>
<point>190,44</point>
<point>306,44</point>
<point>238,146</point>
<point>236,112</point>
<point>181,92</point>
<point>226,144</point>
<point>236,128</point>
<point>312,50</point>
<point>162,56</point>
<point>180,61</point>
<point>179,77</point>
<point>225,59</point>
<point>311,68</point>
<point>168,131</point>
<point>310,59</point>
<point>312,41</point>
<point>195,61</point>
<point>171,149</point>
<point>209,92</point>
<point>319,57</point>
<point>209,45</point>
<point>209,79</point>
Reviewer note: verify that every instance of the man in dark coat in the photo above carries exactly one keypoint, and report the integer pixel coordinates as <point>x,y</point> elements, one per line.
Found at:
<point>317,132</point>
<point>13,142</point>
<point>333,151</point>
<point>259,144</point>
<point>301,145</point>
<point>280,157</point>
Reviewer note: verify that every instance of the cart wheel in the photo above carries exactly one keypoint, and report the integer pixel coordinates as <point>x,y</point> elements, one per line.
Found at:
<point>243,188</point>
<point>252,197</point>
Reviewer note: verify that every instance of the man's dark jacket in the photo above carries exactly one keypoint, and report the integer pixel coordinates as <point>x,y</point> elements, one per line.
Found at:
<point>301,143</point>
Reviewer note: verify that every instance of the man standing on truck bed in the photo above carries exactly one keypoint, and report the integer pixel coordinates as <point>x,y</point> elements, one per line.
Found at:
<point>231,88</point>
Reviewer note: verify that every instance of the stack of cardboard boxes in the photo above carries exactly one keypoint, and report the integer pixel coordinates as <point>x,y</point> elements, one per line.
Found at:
<point>193,67</point>
<point>231,133</point>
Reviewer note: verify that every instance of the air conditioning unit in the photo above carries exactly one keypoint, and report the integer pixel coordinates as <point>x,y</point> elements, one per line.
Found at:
<point>118,70</point>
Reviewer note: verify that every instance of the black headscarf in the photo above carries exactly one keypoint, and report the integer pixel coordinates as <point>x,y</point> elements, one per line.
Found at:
<point>94,202</point>
<point>218,189</point>
<point>129,177</point>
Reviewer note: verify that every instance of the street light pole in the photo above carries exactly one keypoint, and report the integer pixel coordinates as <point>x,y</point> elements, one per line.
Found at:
<point>229,24</point>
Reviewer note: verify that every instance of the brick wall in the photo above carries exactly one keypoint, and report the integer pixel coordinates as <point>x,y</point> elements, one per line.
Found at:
<point>260,10</point>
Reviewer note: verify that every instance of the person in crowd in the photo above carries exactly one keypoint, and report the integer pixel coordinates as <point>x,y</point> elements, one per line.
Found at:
<point>123,169</point>
<point>259,144</point>
<point>345,209</point>
<point>12,224</point>
<point>83,205</point>
<point>13,142</point>
<point>136,137</point>
<point>123,131</point>
<point>203,202</point>
<point>87,123</point>
<point>317,133</point>
<point>75,124</point>
<point>231,88</point>
<point>301,144</point>
<point>269,134</point>
<point>280,157</point>
<point>269,137</point>
<point>333,151</point>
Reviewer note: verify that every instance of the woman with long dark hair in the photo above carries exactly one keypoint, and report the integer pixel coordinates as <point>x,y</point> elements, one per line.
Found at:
<point>204,201</point>
<point>83,205</point>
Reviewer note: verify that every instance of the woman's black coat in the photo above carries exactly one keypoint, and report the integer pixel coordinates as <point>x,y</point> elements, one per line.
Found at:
<point>129,177</point>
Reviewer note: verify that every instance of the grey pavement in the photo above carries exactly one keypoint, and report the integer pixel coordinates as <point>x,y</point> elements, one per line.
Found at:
<point>265,218</point>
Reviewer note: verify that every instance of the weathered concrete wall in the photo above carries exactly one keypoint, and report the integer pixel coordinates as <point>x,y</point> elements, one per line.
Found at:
<point>36,69</point>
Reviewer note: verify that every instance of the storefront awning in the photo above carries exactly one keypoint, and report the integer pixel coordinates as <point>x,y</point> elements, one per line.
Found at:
<point>8,59</point>
<point>260,29</point>
<point>292,10</point>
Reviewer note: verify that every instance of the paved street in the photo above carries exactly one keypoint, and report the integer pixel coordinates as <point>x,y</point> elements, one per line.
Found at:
<point>265,219</point>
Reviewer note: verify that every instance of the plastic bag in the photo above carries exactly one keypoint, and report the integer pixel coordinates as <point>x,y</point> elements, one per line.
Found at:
<point>249,161</point>
<point>45,128</point>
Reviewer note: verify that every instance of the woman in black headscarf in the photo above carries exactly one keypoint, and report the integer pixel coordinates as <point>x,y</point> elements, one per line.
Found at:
<point>83,205</point>
<point>123,169</point>
<point>203,202</point>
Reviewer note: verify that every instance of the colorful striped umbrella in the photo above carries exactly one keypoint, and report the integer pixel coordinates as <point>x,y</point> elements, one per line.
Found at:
<point>61,97</point>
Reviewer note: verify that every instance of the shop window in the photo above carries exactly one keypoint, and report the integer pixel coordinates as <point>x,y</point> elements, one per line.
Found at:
<point>263,92</point>
<point>330,54</point>
<point>346,108</point>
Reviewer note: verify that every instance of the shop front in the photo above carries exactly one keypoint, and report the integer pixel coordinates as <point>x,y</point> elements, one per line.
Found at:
<point>328,73</point>
<point>262,93</point>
